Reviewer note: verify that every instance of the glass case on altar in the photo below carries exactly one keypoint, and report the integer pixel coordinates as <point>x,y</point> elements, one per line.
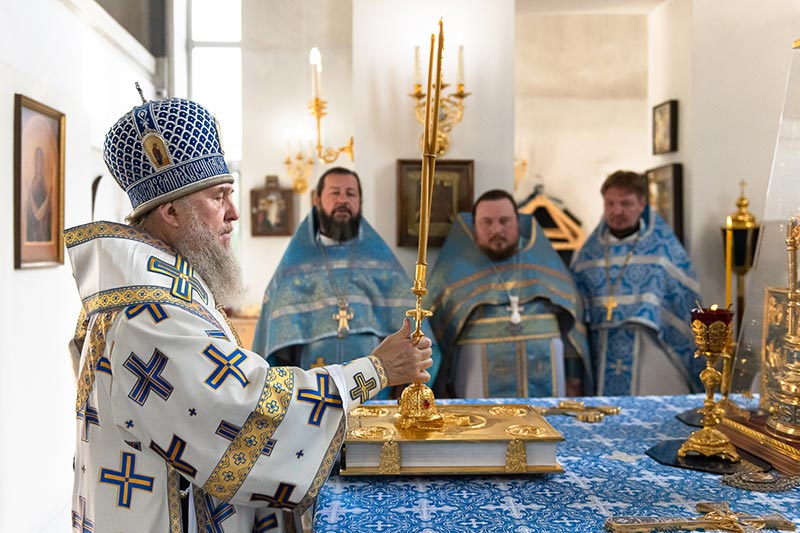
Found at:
<point>767,356</point>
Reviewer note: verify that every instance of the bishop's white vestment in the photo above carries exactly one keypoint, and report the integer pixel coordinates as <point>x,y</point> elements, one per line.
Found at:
<point>166,391</point>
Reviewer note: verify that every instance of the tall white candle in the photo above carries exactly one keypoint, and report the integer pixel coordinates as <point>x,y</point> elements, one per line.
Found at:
<point>417,69</point>
<point>315,60</point>
<point>460,75</point>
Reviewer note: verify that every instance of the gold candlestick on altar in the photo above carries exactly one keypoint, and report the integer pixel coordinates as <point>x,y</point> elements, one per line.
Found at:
<point>417,404</point>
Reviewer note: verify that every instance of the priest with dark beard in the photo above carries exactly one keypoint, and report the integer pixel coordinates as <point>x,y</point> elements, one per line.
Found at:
<point>338,289</point>
<point>505,309</point>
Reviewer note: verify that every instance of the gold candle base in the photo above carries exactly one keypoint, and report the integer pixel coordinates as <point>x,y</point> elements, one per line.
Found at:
<point>709,442</point>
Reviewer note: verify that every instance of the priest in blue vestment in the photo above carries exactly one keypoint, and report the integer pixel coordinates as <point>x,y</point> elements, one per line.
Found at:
<point>639,288</point>
<point>338,289</point>
<point>506,312</point>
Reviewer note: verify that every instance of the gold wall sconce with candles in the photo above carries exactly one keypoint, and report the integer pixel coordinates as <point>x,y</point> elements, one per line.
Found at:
<point>451,109</point>
<point>300,166</point>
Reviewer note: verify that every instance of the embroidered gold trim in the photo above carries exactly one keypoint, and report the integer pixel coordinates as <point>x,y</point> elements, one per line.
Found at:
<point>97,345</point>
<point>221,310</point>
<point>380,370</point>
<point>245,449</point>
<point>174,500</point>
<point>140,294</point>
<point>493,340</point>
<point>200,511</point>
<point>95,230</point>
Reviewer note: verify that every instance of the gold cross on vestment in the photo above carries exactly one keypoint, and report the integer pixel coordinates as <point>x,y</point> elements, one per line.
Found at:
<point>343,315</point>
<point>320,362</point>
<point>611,304</point>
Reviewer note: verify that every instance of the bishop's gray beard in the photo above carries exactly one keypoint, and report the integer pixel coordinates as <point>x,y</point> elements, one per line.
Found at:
<point>212,261</point>
<point>338,231</point>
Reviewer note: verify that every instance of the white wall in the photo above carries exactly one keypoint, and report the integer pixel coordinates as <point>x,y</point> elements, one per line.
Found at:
<point>74,69</point>
<point>728,68</point>
<point>276,39</point>
<point>384,35</point>
<point>581,104</point>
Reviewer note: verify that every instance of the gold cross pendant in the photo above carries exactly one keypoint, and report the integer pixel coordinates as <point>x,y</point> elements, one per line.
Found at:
<point>611,304</point>
<point>342,316</point>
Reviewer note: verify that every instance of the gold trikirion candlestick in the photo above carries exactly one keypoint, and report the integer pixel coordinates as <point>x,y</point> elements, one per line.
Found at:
<point>417,404</point>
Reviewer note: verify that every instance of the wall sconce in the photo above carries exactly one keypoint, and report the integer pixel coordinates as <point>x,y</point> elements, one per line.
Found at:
<point>299,166</point>
<point>451,107</point>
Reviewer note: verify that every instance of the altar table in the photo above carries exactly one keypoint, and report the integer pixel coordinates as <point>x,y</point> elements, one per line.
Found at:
<point>606,472</point>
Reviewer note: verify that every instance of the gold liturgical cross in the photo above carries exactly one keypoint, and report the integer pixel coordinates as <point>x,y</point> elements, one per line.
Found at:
<point>343,315</point>
<point>611,304</point>
<point>717,516</point>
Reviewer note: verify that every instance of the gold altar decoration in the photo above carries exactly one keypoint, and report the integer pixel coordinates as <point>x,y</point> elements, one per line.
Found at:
<point>712,333</point>
<point>473,439</point>
<point>417,404</point>
<point>300,166</point>
<point>717,516</point>
<point>740,234</point>
<point>451,107</point>
<point>581,411</point>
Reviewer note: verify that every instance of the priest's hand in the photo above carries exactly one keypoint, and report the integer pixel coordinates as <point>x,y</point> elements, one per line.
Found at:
<point>403,361</point>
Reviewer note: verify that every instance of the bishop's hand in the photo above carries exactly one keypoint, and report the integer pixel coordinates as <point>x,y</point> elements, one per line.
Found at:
<point>405,361</point>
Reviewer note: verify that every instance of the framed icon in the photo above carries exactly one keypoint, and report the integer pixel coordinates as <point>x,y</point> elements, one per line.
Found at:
<point>271,210</point>
<point>38,184</point>
<point>665,127</point>
<point>452,193</point>
<point>665,195</point>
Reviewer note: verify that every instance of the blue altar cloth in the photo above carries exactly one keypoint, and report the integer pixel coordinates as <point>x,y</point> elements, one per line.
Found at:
<point>606,472</point>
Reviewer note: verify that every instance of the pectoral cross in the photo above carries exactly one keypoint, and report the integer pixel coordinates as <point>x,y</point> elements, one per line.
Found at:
<point>343,315</point>
<point>515,309</point>
<point>611,304</point>
<point>717,516</point>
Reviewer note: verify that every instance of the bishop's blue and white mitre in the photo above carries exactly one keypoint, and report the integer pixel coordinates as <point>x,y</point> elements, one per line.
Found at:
<point>165,149</point>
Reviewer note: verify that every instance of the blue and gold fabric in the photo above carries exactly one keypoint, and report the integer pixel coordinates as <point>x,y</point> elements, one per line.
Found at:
<point>470,306</point>
<point>165,392</point>
<point>656,291</point>
<point>606,473</point>
<point>297,325</point>
<point>165,149</point>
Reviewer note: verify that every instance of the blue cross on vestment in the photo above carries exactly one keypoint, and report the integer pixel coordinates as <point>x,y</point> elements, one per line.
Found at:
<point>321,398</point>
<point>362,388</point>
<point>126,479</point>
<point>230,431</point>
<point>89,415</point>
<point>280,500</point>
<point>182,274</point>
<point>103,365</point>
<point>80,520</point>
<point>216,514</point>
<point>174,455</point>
<point>148,377</point>
<point>266,523</point>
<point>157,312</point>
<point>227,365</point>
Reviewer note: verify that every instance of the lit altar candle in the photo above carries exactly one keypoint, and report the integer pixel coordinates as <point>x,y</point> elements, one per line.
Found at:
<point>417,69</point>
<point>460,74</point>
<point>728,260</point>
<point>315,60</point>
